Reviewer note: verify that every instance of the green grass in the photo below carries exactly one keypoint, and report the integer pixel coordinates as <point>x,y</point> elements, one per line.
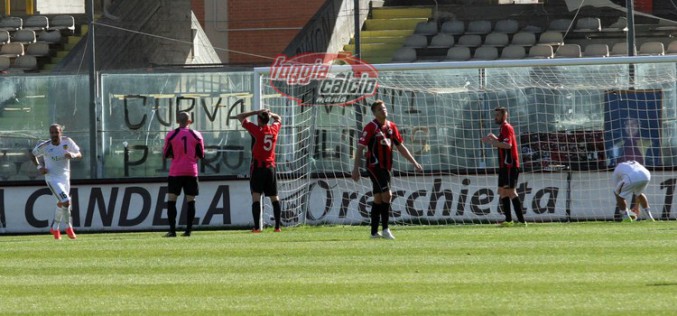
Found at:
<point>546,269</point>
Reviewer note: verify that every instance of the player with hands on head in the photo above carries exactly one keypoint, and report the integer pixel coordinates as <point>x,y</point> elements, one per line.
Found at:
<point>380,137</point>
<point>262,171</point>
<point>56,154</point>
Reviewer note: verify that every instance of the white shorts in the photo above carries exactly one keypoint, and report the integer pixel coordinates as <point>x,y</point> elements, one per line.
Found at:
<point>60,187</point>
<point>631,188</point>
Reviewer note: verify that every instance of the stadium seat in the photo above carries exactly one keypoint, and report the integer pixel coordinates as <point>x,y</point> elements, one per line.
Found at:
<point>454,27</point>
<point>496,39</point>
<point>541,51</point>
<point>11,23</point>
<point>506,26</point>
<point>12,50</point>
<point>24,37</point>
<point>596,50</point>
<point>36,23</point>
<point>560,25</point>
<point>52,37</point>
<point>25,63</point>
<point>588,25</point>
<point>62,23</point>
<point>38,49</point>
<point>479,27</point>
<point>551,38</point>
<point>416,41</point>
<point>665,25</point>
<point>652,48</point>
<point>672,48</point>
<point>513,52</point>
<point>470,40</point>
<point>458,53</point>
<point>568,51</point>
<point>532,29</point>
<point>5,62</point>
<point>4,37</point>
<point>524,39</point>
<point>619,49</point>
<point>404,55</point>
<point>426,28</point>
<point>486,53</point>
<point>619,26</point>
<point>442,40</point>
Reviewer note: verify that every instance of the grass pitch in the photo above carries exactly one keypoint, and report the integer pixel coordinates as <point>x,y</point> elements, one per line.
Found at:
<point>544,269</point>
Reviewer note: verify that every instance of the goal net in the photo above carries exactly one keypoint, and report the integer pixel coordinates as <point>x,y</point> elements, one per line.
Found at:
<point>574,123</point>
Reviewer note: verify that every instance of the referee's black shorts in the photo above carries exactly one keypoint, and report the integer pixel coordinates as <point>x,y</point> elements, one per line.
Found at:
<point>263,180</point>
<point>507,177</point>
<point>189,185</point>
<point>380,179</point>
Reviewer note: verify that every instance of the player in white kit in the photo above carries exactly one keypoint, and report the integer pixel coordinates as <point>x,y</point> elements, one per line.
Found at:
<point>56,154</point>
<point>631,179</point>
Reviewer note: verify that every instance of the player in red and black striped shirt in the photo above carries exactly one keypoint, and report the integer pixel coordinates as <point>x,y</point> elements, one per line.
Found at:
<point>263,175</point>
<point>379,137</point>
<point>508,165</point>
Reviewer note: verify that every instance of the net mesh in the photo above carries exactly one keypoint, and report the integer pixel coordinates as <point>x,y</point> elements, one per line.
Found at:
<point>572,124</point>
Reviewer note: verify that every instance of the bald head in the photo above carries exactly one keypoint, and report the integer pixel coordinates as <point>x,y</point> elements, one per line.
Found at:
<point>183,118</point>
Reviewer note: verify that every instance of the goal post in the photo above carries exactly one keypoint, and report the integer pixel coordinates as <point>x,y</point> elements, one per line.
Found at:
<point>569,116</point>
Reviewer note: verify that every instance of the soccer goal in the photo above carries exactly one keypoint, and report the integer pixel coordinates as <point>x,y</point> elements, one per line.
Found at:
<point>572,118</point>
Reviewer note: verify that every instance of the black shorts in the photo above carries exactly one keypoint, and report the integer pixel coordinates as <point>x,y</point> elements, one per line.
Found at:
<point>189,185</point>
<point>507,177</point>
<point>263,180</point>
<point>380,179</point>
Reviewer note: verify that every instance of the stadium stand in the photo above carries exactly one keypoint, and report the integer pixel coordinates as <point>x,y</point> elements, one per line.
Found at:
<point>568,51</point>
<point>621,25</point>
<point>25,63</point>
<point>39,49</point>
<point>52,37</point>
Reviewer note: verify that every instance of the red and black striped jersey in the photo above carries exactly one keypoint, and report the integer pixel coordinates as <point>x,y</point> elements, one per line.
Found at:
<point>379,140</point>
<point>508,158</point>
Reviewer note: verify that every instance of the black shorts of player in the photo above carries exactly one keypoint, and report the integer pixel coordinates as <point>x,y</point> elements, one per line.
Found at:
<point>189,185</point>
<point>380,179</point>
<point>263,180</point>
<point>507,177</point>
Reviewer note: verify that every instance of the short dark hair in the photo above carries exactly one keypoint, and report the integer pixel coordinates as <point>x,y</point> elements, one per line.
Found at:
<point>376,103</point>
<point>264,117</point>
<point>501,109</point>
